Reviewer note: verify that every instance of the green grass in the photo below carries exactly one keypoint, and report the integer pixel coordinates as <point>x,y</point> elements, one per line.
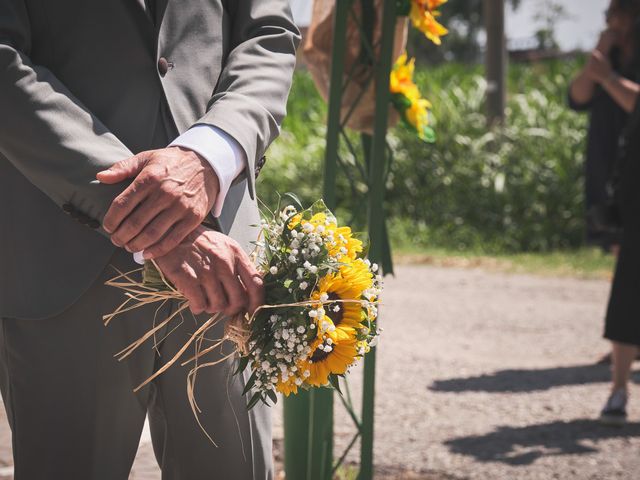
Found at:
<point>581,263</point>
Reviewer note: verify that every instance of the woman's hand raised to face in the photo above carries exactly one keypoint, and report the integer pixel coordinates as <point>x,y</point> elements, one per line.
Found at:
<point>608,39</point>
<point>598,67</point>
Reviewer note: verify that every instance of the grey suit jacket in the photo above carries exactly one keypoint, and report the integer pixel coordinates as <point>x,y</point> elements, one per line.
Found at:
<point>81,84</point>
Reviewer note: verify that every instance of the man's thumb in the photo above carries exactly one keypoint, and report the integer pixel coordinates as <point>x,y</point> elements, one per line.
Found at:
<point>127,168</point>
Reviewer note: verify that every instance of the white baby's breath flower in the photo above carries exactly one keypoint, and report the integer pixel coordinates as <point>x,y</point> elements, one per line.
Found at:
<point>273,270</point>
<point>303,285</point>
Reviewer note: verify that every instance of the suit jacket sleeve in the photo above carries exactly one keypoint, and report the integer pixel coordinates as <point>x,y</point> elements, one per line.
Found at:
<point>45,132</point>
<point>249,102</point>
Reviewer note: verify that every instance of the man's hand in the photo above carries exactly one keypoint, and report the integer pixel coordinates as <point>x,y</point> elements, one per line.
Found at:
<point>598,67</point>
<point>213,272</point>
<point>173,190</point>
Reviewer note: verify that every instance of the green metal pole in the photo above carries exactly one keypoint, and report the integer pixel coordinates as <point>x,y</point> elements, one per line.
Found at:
<point>308,416</point>
<point>335,101</point>
<point>377,161</point>
<point>296,414</point>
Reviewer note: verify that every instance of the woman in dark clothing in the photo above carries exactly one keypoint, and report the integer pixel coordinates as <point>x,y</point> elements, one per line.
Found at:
<point>609,77</point>
<point>607,119</point>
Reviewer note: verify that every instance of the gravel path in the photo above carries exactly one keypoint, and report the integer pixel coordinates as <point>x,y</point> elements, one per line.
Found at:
<point>485,376</point>
<point>492,376</point>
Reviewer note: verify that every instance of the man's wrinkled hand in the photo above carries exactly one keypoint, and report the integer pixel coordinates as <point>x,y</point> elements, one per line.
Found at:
<point>214,273</point>
<point>173,190</point>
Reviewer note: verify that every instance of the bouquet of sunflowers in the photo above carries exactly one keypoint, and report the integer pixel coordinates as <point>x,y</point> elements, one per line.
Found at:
<point>321,310</point>
<point>320,313</point>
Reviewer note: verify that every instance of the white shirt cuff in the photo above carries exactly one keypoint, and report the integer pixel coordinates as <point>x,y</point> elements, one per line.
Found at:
<point>221,150</point>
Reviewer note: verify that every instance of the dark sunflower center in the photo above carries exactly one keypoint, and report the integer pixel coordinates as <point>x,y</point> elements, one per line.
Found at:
<point>319,355</point>
<point>334,310</point>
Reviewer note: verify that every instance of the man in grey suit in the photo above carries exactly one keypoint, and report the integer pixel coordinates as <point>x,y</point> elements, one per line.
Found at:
<point>124,126</point>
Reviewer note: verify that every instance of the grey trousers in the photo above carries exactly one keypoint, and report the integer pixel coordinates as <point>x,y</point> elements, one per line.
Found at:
<point>73,413</point>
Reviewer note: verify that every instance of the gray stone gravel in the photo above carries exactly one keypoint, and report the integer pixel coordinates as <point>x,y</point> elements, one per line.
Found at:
<point>485,376</point>
<point>491,376</point>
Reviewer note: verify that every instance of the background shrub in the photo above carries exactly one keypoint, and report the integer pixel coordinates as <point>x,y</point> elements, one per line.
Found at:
<point>510,189</point>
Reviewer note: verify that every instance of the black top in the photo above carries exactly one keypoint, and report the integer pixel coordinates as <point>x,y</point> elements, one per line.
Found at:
<point>606,123</point>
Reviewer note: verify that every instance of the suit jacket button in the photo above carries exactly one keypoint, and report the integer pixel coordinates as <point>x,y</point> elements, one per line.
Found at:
<point>163,66</point>
<point>75,213</point>
<point>84,219</point>
<point>67,207</point>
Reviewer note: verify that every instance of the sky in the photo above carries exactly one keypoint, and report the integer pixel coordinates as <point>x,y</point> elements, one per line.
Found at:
<point>580,30</point>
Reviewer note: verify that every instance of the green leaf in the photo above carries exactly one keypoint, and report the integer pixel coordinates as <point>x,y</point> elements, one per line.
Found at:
<point>242,364</point>
<point>319,207</point>
<point>250,382</point>
<point>428,135</point>
<point>400,102</point>
<point>294,198</point>
<point>335,382</point>
<point>255,399</point>
<point>272,396</point>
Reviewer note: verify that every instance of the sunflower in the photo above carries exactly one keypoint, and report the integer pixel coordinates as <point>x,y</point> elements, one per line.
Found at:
<point>288,387</point>
<point>342,317</point>
<point>418,114</point>
<point>401,80</point>
<point>423,16</point>
<point>336,361</point>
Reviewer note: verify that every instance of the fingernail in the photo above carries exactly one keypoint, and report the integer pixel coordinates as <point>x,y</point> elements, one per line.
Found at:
<point>146,255</point>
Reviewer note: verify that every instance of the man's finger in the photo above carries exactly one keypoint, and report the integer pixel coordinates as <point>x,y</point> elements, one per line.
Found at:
<point>197,299</point>
<point>127,168</point>
<point>170,241</point>
<point>237,296</point>
<point>216,298</point>
<point>152,233</point>
<point>137,222</point>
<point>122,206</point>
<point>252,281</point>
